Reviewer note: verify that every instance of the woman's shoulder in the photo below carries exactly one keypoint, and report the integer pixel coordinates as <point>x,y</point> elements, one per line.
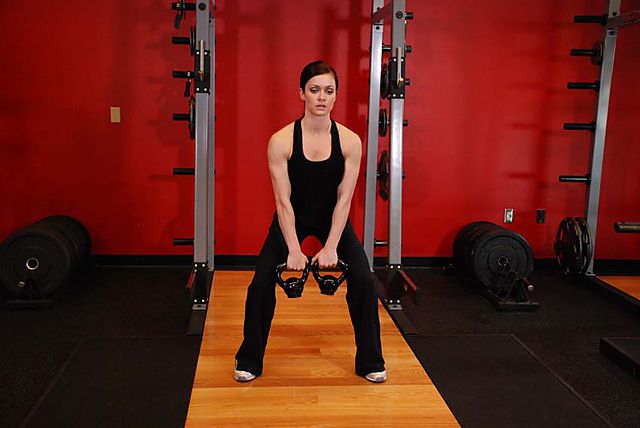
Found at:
<point>284,134</point>
<point>347,135</point>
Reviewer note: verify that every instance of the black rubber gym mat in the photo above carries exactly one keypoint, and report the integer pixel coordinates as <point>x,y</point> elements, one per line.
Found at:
<point>493,380</point>
<point>625,351</point>
<point>121,382</point>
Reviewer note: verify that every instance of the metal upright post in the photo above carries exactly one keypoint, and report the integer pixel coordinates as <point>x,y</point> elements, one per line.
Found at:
<point>201,128</point>
<point>200,280</point>
<point>395,141</point>
<point>375,68</point>
<point>211,117</point>
<point>202,88</point>
<point>602,110</point>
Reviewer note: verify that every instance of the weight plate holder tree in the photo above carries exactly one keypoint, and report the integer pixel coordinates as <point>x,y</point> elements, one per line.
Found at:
<point>576,237</point>
<point>201,128</point>
<point>389,81</point>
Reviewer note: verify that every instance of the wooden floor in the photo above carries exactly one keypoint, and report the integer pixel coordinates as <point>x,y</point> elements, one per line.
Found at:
<point>308,377</point>
<point>627,284</point>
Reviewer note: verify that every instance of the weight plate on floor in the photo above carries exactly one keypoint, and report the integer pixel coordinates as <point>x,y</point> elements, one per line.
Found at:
<point>585,241</point>
<point>474,234</point>
<point>568,246</point>
<point>75,230</point>
<point>35,254</point>
<point>458,242</point>
<point>496,253</point>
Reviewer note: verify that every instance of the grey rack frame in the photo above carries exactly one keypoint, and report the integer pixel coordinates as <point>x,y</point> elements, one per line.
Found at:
<point>593,180</point>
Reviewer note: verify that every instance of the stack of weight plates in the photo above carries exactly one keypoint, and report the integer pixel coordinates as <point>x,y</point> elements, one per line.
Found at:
<point>483,250</point>
<point>46,254</point>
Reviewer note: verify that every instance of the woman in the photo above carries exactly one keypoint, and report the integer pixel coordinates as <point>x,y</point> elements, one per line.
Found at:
<point>313,183</point>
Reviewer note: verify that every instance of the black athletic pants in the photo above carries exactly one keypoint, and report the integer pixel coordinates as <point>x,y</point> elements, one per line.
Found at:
<point>362,300</point>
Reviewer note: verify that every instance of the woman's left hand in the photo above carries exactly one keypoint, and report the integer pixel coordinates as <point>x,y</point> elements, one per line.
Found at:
<point>326,258</point>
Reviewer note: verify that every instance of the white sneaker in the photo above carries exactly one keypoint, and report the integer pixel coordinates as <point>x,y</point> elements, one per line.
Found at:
<point>242,376</point>
<point>377,377</point>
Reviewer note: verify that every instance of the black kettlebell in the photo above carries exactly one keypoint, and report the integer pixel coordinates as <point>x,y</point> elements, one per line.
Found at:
<point>292,286</point>
<point>329,283</point>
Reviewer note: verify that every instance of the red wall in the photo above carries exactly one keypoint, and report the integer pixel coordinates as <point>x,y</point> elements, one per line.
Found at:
<point>486,106</point>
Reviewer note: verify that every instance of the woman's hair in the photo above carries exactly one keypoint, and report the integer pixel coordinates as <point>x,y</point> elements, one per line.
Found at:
<point>316,68</point>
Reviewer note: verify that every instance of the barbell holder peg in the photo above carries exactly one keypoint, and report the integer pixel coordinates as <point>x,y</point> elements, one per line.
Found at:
<point>182,74</point>
<point>575,179</point>
<point>590,19</point>
<point>584,85</point>
<point>179,40</point>
<point>184,171</point>
<point>580,126</point>
<point>583,52</point>
<point>181,117</point>
<point>183,241</point>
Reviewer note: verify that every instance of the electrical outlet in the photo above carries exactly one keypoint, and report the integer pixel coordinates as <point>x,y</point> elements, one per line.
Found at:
<point>541,215</point>
<point>508,215</point>
<point>115,114</point>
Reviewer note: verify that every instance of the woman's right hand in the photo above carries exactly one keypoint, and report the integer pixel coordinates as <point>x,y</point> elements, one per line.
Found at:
<point>296,260</point>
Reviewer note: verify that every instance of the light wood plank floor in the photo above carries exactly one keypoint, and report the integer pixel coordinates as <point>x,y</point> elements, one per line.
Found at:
<point>627,284</point>
<point>308,378</point>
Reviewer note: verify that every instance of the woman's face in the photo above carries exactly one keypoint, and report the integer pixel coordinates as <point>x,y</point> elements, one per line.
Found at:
<point>319,94</point>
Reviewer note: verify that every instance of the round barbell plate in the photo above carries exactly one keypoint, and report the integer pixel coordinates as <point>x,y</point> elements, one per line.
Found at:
<point>49,247</point>
<point>568,246</point>
<point>77,232</point>
<point>474,234</point>
<point>495,248</point>
<point>383,122</point>
<point>461,237</point>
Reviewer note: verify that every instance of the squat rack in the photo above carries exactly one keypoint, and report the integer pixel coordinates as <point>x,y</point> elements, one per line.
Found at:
<point>387,81</point>
<point>201,120</point>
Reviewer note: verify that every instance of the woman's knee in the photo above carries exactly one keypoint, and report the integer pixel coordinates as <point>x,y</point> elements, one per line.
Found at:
<point>263,282</point>
<point>361,279</point>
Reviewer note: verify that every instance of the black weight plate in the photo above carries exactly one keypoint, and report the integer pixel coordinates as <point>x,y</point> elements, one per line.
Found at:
<point>585,242</point>
<point>65,237</point>
<point>383,175</point>
<point>568,246</point>
<point>80,231</point>
<point>474,234</point>
<point>496,248</point>
<point>598,47</point>
<point>76,230</point>
<point>458,242</point>
<point>69,237</point>
<point>192,117</point>
<point>45,251</point>
<point>383,122</point>
<point>384,81</point>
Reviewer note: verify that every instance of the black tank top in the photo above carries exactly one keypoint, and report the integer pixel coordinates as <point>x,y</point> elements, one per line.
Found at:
<point>314,184</point>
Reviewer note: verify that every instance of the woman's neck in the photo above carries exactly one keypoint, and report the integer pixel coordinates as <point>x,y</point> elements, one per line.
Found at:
<point>316,124</point>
